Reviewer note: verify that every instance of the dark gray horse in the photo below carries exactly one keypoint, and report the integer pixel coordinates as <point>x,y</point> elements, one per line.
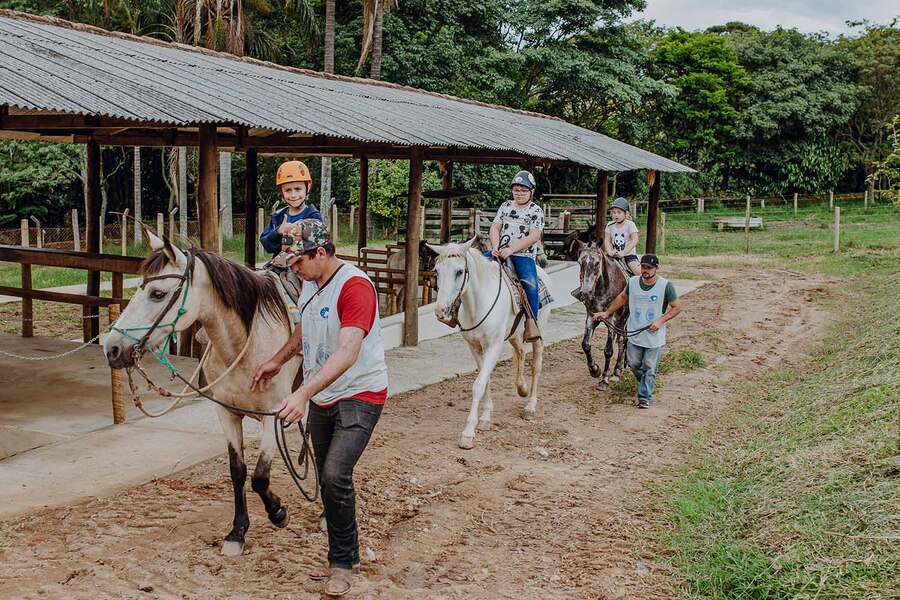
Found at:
<point>601,281</point>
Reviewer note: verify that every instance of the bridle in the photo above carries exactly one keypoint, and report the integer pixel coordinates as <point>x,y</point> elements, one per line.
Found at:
<point>452,319</point>
<point>622,331</point>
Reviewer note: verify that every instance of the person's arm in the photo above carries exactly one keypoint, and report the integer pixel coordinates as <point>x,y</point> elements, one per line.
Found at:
<point>674,311</point>
<point>494,235</point>
<point>313,213</point>
<point>631,244</point>
<point>350,341</point>
<point>615,305</point>
<point>533,237</point>
<point>271,235</point>
<point>607,242</point>
<point>264,373</point>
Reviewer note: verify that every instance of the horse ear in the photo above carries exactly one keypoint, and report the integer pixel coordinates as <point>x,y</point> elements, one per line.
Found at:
<point>155,242</point>
<point>433,249</point>
<point>466,245</point>
<point>173,253</point>
<point>580,245</point>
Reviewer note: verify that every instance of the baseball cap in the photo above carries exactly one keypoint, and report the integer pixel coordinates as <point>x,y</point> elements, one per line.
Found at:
<point>307,234</point>
<point>650,260</point>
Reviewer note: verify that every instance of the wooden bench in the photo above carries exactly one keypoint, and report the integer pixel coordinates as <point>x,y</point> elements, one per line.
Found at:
<point>722,223</point>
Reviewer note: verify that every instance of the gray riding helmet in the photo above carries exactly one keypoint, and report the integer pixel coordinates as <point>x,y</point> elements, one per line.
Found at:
<point>621,203</point>
<point>524,178</point>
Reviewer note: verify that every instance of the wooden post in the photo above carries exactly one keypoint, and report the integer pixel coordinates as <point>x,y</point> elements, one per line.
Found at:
<point>831,199</point>
<point>160,226</point>
<point>118,397</point>
<point>446,203</point>
<point>27,306</point>
<point>422,210</point>
<point>411,283</point>
<point>207,192</point>
<point>662,233</point>
<point>473,222</point>
<point>172,224</point>
<point>334,223</point>
<point>601,205</point>
<point>124,228</point>
<point>872,190</point>
<point>352,220</point>
<point>747,227</point>
<point>76,231</point>
<point>837,229</point>
<point>762,202</point>
<point>653,178</point>
<point>362,227</point>
<point>221,231</point>
<point>700,205</point>
<point>260,225</point>
<point>795,203</point>
<point>118,286</point>
<point>23,226</point>
<point>38,234</point>
<point>251,199</point>
<point>567,220</point>
<point>866,199</point>
<point>92,324</point>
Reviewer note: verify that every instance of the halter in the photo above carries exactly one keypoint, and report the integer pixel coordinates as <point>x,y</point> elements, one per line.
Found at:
<point>453,319</point>
<point>141,343</point>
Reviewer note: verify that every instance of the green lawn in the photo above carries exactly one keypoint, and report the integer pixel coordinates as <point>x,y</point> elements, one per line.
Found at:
<point>795,494</point>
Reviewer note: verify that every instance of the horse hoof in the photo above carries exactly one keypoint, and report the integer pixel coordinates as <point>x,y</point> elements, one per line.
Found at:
<point>523,391</point>
<point>603,386</point>
<point>484,426</point>
<point>614,378</point>
<point>466,442</point>
<point>284,520</point>
<point>595,371</point>
<point>232,548</point>
<point>529,414</point>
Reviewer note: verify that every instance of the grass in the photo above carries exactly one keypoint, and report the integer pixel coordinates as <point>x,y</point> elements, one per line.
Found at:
<point>680,359</point>
<point>794,494</point>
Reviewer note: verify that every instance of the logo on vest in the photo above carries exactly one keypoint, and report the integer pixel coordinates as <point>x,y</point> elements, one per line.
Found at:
<point>324,312</point>
<point>654,298</point>
<point>322,355</point>
<point>651,315</point>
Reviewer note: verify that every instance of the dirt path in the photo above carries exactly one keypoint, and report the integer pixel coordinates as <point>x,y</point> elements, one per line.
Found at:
<point>499,521</point>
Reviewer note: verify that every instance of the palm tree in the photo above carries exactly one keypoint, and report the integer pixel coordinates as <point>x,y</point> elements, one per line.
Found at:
<point>373,24</point>
<point>325,196</point>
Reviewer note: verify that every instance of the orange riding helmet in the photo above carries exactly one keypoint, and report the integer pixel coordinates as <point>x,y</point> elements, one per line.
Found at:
<point>294,170</point>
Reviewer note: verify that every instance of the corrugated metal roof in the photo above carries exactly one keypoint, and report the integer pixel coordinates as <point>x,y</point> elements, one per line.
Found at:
<point>48,65</point>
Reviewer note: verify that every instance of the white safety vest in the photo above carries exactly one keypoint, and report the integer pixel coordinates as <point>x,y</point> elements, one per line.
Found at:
<point>321,331</point>
<point>644,307</point>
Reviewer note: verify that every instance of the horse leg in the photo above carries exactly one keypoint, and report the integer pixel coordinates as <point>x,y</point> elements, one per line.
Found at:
<point>607,354</point>
<point>617,368</point>
<point>484,422</point>
<point>488,361</point>
<point>278,514</point>
<point>537,363</point>
<point>620,359</point>
<point>234,433</point>
<point>518,346</point>
<point>589,326</point>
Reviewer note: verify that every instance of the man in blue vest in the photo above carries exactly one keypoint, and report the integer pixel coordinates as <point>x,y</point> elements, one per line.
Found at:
<point>652,301</point>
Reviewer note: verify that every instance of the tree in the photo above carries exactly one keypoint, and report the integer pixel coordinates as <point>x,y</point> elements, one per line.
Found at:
<point>325,179</point>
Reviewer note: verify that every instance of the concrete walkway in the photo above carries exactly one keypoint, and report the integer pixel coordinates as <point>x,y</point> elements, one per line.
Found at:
<point>79,460</point>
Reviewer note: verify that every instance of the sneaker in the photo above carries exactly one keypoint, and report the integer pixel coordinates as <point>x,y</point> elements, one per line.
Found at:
<point>643,403</point>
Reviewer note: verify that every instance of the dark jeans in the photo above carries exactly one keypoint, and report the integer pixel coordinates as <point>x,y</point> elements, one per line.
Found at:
<point>339,435</point>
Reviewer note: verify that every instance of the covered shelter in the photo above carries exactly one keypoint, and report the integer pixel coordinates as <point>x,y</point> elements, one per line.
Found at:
<point>67,82</point>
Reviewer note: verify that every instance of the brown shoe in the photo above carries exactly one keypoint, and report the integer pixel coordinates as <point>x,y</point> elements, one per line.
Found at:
<point>339,583</point>
<point>532,333</point>
<point>323,572</point>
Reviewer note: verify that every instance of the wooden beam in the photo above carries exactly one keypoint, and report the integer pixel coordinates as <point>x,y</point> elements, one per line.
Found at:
<point>26,122</point>
<point>602,200</point>
<point>68,258</point>
<point>652,211</point>
<point>362,225</point>
<point>207,193</point>
<point>446,203</point>
<point>94,201</point>
<point>411,289</point>
<point>251,199</point>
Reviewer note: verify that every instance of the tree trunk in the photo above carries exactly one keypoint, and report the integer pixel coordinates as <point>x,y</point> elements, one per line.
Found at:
<point>138,230</point>
<point>325,194</point>
<point>225,194</point>
<point>182,191</point>
<point>377,34</point>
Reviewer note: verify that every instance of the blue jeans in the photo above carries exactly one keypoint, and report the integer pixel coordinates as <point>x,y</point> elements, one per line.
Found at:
<point>339,435</point>
<point>644,363</point>
<point>526,271</point>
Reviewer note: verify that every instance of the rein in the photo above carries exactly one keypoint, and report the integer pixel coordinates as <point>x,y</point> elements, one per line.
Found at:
<point>622,331</point>
<point>453,319</point>
<point>305,457</point>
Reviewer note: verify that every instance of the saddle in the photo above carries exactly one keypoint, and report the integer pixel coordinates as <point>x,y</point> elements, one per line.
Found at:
<point>514,284</point>
<point>290,285</point>
<point>623,266</point>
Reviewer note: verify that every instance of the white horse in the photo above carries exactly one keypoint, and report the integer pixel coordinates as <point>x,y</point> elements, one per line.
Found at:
<point>236,307</point>
<point>471,293</point>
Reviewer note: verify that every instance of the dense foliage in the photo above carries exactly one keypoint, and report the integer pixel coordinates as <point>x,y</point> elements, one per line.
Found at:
<point>764,112</point>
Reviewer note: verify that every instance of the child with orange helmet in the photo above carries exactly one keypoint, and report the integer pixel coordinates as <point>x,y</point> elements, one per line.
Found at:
<point>295,182</point>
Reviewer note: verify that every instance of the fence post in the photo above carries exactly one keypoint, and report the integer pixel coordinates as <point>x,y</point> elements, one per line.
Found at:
<point>662,231</point>
<point>352,220</point>
<point>866,199</point>
<point>837,229</point>
<point>39,241</point>
<point>747,225</point>
<point>260,225</point>
<point>76,232</point>
<point>172,223</point>
<point>795,203</point>
<point>221,228</point>
<point>473,222</point>
<point>699,205</point>
<point>25,237</point>
<point>567,219</point>
<point>124,228</point>
<point>160,231</point>
<point>27,306</point>
<point>102,231</point>
<point>831,199</point>
<point>334,221</point>
<point>118,399</point>
<point>762,202</point>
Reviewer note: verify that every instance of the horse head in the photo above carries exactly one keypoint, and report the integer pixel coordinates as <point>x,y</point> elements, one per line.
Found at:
<point>162,305</point>
<point>591,263</point>
<point>452,270</point>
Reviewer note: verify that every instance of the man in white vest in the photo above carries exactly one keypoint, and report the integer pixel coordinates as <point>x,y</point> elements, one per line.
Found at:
<point>344,383</point>
<point>652,301</point>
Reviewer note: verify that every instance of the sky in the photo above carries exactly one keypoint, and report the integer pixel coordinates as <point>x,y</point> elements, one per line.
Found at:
<point>805,15</point>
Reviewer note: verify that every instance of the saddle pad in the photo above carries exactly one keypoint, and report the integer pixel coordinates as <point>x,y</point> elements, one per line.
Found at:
<point>544,297</point>
<point>289,284</point>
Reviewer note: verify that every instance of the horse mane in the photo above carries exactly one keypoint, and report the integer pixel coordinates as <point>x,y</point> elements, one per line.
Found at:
<point>453,250</point>
<point>238,288</point>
